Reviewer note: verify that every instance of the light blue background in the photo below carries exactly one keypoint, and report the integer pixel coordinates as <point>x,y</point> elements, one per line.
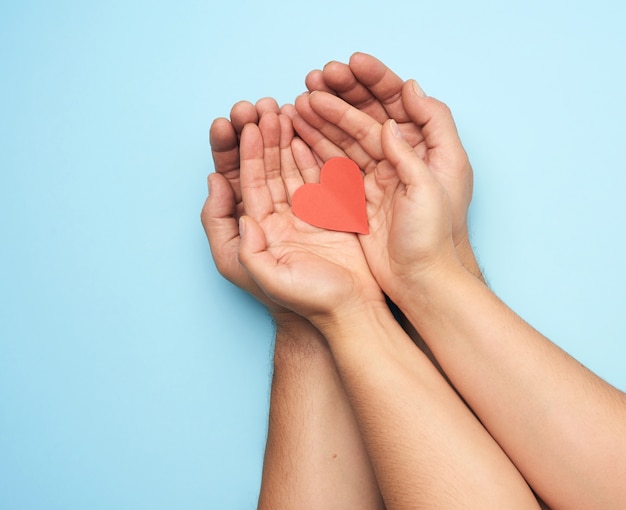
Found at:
<point>133,376</point>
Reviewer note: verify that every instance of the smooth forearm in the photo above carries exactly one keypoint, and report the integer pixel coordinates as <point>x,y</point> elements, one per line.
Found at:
<point>467,257</point>
<point>314,457</point>
<point>563,427</point>
<point>426,446</point>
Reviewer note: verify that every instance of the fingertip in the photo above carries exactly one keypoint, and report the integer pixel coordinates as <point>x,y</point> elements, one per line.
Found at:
<point>299,146</point>
<point>339,78</point>
<point>252,241</point>
<point>395,130</point>
<point>218,209</point>
<point>392,134</point>
<point>357,57</point>
<point>367,68</point>
<point>317,96</point>
<point>312,75</point>
<point>391,137</point>
<point>242,226</point>
<point>222,136</point>
<point>315,80</point>
<point>251,143</point>
<point>331,67</point>
<point>415,88</point>
<point>400,153</point>
<point>219,190</point>
<point>245,248</point>
<point>268,118</point>
<point>265,105</point>
<point>304,107</point>
<point>303,98</point>
<point>242,113</point>
<point>289,111</point>
<point>247,128</point>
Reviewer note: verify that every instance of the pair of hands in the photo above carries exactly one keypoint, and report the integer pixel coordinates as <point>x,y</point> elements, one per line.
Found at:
<point>418,189</point>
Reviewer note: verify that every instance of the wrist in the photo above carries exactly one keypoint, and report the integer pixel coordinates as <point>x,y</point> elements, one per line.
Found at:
<point>432,293</point>
<point>352,323</point>
<point>467,257</point>
<point>296,338</point>
<point>404,284</point>
<point>288,321</point>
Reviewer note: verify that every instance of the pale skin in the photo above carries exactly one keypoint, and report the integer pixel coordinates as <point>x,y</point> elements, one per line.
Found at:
<point>426,447</point>
<point>427,124</point>
<point>562,426</point>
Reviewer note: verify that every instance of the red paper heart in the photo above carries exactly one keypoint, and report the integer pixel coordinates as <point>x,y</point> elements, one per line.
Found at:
<point>337,202</point>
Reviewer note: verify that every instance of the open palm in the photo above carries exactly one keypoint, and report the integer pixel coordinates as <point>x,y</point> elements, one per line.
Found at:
<point>362,96</point>
<point>305,268</point>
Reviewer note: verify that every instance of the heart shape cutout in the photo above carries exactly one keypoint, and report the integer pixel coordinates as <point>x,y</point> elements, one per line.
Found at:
<point>337,202</point>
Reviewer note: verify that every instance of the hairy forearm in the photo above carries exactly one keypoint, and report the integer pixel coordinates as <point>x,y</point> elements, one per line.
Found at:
<point>563,427</point>
<point>315,458</point>
<point>426,447</point>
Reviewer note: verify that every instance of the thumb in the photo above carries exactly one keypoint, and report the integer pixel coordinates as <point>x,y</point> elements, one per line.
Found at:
<point>433,116</point>
<point>410,167</point>
<point>219,222</point>
<point>253,254</point>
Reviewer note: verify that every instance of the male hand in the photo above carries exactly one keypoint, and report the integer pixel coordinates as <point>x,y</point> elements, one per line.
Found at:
<point>224,205</point>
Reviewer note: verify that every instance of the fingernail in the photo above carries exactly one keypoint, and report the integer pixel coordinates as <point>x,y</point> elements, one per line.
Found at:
<point>418,90</point>
<point>395,129</point>
<point>242,226</point>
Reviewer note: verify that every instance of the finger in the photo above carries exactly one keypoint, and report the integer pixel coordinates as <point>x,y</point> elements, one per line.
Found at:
<point>256,195</point>
<point>224,148</point>
<point>254,255</point>
<point>292,178</point>
<point>362,129</point>
<point>329,134</point>
<point>243,113</point>
<point>315,81</point>
<point>289,110</point>
<point>270,129</point>
<point>267,104</point>
<point>224,140</point>
<point>308,165</point>
<point>321,145</point>
<point>329,131</point>
<point>411,169</point>
<point>311,135</point>
<point>219,219</point>
<point>382,82</point>
<point>435,120</point>
<point>340,78</point>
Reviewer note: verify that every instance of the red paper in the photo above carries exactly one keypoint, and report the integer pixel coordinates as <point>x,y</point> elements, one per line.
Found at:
<point>337,202</point>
